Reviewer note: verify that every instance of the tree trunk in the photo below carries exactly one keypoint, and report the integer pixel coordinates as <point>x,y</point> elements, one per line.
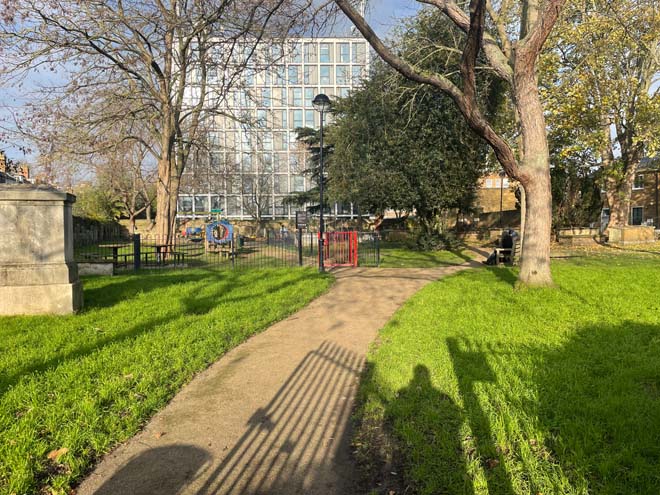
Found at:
<point>534,176</point>
<point>535,260</point>
<point>618,199</point>
<point>166,198</point>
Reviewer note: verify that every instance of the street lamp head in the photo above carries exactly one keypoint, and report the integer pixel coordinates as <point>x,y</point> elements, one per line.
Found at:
<point>321,103</point>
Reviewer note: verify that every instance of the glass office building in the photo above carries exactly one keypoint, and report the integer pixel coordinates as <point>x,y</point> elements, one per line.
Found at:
<point>253,160</point>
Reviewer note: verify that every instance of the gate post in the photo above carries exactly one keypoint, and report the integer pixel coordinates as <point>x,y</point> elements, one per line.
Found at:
<point>136,252</point>
<point>300,249</point>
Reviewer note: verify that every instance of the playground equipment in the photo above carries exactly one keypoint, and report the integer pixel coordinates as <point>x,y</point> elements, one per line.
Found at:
<point>219,236</point>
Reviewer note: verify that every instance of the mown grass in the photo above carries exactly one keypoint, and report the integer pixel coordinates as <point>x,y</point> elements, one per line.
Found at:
<point>397,255</point>
<point>484,389</point>
<point>88,381</point>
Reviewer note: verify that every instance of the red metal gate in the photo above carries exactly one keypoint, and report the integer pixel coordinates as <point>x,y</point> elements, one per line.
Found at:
<point>341,249</point>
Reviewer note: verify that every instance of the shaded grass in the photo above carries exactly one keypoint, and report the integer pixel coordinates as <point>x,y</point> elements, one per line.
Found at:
<point>89,381</point>
<point>397,255</point>
<point>483,389</point>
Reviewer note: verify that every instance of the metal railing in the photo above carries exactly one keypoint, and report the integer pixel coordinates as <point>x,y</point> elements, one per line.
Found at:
<point>275,249</point>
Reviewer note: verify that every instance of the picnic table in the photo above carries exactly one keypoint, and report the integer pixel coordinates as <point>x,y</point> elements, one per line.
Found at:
<point>161,250</point>
<point>115,250</point>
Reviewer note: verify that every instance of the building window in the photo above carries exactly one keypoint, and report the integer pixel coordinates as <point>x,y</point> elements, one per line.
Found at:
<point>639,182</point>
<point>201,204</point>
<point>357,73</point>
<point>279,76</point>
<point>342,74</point>
<point>296,97</point>
<point>268,141</point>
<point>309,118</point>
<point>275,52</point>
<point>343,92</point>
<point>186,204</point>
<point>489,183</point>
<point>310,74</point>
<point>281,183</point>
<point>217,203</point>
<point>297,118</point>
<point>234,206</point>
<point>298,183</point>
<point>262,118</point>
<point>296,53</point>
<point>344,53</point>
<point>310,53</point>
<point>325,74</point>
<point>294,74</point>
<point>325,53</point>
<point>280,208</point>
<point>309,96</point>
<point>266,97</point>
<point>359,52</point>
<point>637,215</point>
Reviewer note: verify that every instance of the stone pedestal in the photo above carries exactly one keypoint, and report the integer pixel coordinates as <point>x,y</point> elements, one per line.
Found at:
<point>37,271</point>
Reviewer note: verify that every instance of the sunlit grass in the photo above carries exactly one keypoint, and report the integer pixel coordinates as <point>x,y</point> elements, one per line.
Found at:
<point>87,382</point>
<point>485,389</point>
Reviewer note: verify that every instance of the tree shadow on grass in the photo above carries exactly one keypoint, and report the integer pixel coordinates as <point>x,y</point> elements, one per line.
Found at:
<point>215,288</point>
<point>127,287</point>
<point>599,404</point>
<point>579,417</point>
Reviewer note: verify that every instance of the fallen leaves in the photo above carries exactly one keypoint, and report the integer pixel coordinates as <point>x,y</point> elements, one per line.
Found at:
<point>54,455</point>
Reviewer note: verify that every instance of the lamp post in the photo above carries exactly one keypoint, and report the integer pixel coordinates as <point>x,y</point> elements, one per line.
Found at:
<point>502,176</point>
<point>321,104</point>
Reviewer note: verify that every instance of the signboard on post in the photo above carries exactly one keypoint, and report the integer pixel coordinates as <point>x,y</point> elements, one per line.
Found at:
<point>301,220</point>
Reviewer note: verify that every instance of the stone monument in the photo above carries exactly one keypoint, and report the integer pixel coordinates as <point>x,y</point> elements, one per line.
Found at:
<point>37,271</point>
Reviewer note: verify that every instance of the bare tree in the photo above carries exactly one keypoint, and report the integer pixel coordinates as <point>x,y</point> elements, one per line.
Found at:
<point>128,176</point>
<point>513,58</point>
<point>173,62</point>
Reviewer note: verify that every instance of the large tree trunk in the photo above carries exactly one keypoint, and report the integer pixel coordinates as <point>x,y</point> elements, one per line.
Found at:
<point>618,199</point>
<point>534,175</point>
<point>535,260</point>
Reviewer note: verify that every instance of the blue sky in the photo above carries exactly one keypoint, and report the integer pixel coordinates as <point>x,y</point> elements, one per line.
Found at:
<point>384,14</point>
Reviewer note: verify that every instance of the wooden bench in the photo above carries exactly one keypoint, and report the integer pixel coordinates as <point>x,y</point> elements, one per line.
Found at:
<point>508,255</point>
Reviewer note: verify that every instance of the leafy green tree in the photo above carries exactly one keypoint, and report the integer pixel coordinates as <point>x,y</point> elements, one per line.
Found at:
<point>405,147</point>
<point>598,87</point>
<point>498,39</point>
<point>96,203</point>
<point>310,141</point>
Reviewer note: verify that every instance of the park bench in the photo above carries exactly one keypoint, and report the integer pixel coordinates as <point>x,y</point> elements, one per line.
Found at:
<point>508,255</point>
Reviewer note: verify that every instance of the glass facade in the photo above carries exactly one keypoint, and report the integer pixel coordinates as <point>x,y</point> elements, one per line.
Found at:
<point>254,160</point>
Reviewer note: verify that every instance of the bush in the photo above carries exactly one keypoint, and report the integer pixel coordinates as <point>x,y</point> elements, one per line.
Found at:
<point>434,241</point>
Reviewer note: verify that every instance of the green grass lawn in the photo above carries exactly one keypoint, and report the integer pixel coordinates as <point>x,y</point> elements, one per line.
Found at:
<point>86,382</point>
<point>483,389</point>
<point>396,255</point>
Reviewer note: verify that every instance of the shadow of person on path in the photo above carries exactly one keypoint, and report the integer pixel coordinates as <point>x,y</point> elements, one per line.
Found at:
<point>162,470</point>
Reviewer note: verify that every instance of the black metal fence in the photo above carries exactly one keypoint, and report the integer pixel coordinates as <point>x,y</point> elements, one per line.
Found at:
<point>148,252</point>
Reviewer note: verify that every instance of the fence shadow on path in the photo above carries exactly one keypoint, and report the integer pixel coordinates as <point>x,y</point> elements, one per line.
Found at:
<point>296,443</point>
<point>290,444</point>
